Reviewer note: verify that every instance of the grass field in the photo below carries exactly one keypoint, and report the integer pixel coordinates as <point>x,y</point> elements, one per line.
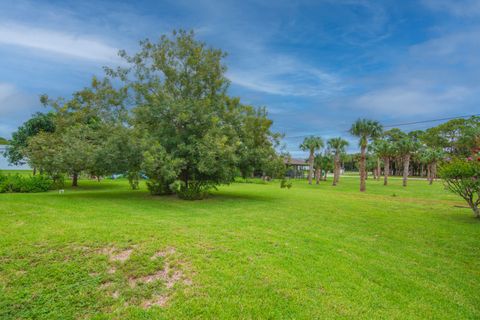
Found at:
<point>250,251</point>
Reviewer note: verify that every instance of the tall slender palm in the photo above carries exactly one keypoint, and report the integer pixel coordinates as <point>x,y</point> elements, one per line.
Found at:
<point>384,149</point>
<point>365,130</point>
<point>318,166</point>
<point>337,145</point>
<point>430,157</point>
<point>311,144</point>
<point>405,148</point>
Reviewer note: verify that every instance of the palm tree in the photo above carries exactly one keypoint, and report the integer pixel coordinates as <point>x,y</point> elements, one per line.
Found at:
<point>430,157</point>
<point>337,145</point>
<point>318,165</point>
<point>365,130</point>
<point>405,148</point>
<point>384,149</point>
<point>311,144</point>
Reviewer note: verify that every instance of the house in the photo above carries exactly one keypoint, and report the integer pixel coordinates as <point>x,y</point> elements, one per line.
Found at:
<point>296,168</point>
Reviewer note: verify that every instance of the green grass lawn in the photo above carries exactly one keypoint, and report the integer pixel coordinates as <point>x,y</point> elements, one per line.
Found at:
<point>250,251</point>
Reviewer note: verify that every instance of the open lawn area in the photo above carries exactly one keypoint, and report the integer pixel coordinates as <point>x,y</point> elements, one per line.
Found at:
<point>251,251</point>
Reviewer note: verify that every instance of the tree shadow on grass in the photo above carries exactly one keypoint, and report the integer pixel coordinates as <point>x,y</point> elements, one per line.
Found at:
<point>112,192</point>
<point>227,196</point>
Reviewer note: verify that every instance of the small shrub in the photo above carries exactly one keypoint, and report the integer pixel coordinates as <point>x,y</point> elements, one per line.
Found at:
<point>158,187</point>
<point>285,184</point>
<point>463,178</point>
<point>194,191</point>
<point>133,179</point>
<point>21,184</point>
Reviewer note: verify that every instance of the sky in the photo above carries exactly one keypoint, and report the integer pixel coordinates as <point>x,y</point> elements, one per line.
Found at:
<point>317,65</point>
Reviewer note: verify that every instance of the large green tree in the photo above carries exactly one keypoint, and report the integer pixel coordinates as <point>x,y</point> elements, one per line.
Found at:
<point>311,144</point>
<point>196,136</point>
<point>457,137</point>
<point>16,153</point>
<point>85,125</point>
<point>366,130</point>
<point>337,146</point>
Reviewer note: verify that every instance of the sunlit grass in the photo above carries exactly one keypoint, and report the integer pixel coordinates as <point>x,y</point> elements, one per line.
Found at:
<point>250,251</point>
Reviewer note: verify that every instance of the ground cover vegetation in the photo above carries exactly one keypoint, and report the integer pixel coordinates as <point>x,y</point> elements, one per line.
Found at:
<point>252,250</point>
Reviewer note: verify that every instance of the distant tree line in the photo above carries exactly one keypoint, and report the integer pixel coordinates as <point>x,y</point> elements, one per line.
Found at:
<point>455,145</point>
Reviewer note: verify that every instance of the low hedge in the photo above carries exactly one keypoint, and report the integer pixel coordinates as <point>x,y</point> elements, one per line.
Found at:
<point>24,184</point>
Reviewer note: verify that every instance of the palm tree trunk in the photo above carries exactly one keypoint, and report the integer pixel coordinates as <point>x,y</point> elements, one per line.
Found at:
<point>310,172</point>
<point>406,164</point>
<point>378,168</point>
<point>363,174</point>
<point>317,175</point>
<point>386,170</point>
<point>433,171</point>
<point>335,170</point>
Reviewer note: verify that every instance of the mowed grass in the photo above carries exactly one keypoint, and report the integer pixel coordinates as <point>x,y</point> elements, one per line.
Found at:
<point>251,251</point>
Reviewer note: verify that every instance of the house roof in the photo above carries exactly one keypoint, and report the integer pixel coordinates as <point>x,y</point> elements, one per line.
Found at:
<point>298,162</point>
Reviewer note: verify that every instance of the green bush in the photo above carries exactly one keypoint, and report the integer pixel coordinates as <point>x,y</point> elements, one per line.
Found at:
<point>158,187</point>
<point>463,178</point>
<point>21,184</point>
<point>285,184</point>
<point>195,190</point>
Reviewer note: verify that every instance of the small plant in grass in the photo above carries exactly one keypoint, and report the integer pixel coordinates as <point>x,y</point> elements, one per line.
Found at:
<point>285,184</point>
<point>462,176</point>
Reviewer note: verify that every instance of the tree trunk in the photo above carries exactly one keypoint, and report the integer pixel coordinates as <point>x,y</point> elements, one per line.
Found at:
<point>34,171</point>
<point>310,172</point>
<point>379,169</point>
<point>336,164</point>
<point>406,164</point>
<point>363,174</point>
<point>318,174</point>
<point>75,180</point>
<point>386,170</point>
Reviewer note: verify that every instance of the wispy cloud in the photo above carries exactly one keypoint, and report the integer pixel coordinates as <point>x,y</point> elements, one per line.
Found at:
<point>56,42</point>
<point>15,106</point>
<point>461,8</point>
<point>289,79</point>
<point>412,101</point>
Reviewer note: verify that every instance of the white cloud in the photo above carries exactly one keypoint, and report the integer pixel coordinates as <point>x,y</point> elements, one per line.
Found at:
<point>14,103</point>
<point>461,8</point>
<point>411,101</point>
<point>56,42</point>
<point>282,75</point>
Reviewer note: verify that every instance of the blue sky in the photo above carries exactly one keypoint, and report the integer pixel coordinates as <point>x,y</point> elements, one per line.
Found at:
<point>316,65</point>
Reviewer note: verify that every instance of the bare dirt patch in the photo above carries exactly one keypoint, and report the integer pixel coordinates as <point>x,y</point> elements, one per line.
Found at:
<point>159,301</point>
<point>115,255</point>
<point>167,252</point>
<point>168,275</point>
<point>122,256</point>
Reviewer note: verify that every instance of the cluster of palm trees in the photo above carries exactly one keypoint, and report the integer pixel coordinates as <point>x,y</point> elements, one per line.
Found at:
<point>377,147</point>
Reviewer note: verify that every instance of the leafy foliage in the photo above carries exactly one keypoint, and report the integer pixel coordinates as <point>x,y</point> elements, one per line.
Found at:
<point>193,132</point>
<point>463,178</point>
<point>40,122</point>
<point>21,184</point>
